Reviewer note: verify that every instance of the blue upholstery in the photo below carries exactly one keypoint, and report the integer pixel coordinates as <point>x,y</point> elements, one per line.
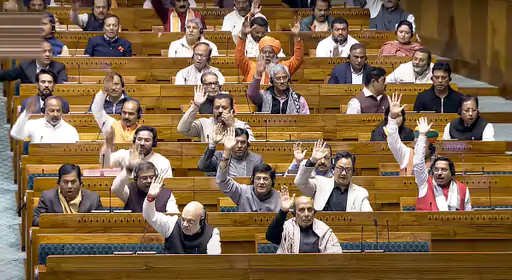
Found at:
<point>31,177</point>
<point>228,209</point>
<point>46,250</point>
<point>402,247</point>
<point>26,144</point>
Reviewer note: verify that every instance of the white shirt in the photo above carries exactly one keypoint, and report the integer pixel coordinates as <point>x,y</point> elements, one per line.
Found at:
<point>102,118</point>
<point>121,157</point>
<point>357,78</point>
<point>400,151</point>
<point>148,5</point>
<point>326,46</point>
<point>234,21</point>
<point>40,131</point>
<point>180,48</point>
<point>192,76</point>
<point>38,68</point>
<point>487,135</point>
<point>251,47</point>
<point>165,225</point>
<point>354,107</point>
<point>405,74</point>
<point>121,190</point>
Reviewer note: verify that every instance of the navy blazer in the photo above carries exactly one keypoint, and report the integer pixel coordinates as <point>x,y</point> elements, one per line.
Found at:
<point>50,203</point>
<point>26,72</point>
<point>24,103</point>
<point>102,47</point>
<point>341,74</point>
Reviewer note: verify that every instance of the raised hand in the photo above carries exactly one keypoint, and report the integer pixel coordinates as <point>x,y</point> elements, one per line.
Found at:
<point>199,95</point>
<point>109,139</point>
<point>286,200</point>
<point>260,65</point>
<point>296,27</point>
<point>135,157</point>
<point>228,118</point>
<point>319,151</point>
<point>298,152</point>
<point>394,105</point>
<point>246,27</point>
<point>31,105</point>
<point>218,133</point>
<point>158,182</point>
<point>229,139</point>
<point>423,126</point>
<point>255,7</point>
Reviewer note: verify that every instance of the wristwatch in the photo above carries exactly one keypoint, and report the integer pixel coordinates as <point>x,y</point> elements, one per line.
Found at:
<point>224,159</point>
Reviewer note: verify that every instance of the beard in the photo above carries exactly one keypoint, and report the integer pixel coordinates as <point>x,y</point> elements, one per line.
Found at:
<point>419,70</point>
<point>339,41</point>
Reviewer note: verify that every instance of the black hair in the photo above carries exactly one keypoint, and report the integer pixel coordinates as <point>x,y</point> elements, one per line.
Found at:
<point>45,5</point>
<point>386,117</point>
<point>313,3</point>
<point>47,72</point>
<point>240,132</point>
<point>373,73</point>
<point>146,128</point>
<point>406,23</point>
<point>264,168</point>
<point>428,53</point>
<point>259,21</point>
<point>442,66</point>
<point>144,166</point>
<point>450,164</point>
<point>468,97</point>
<point>139,107</point>
<point>112,16</point>
<point>347,155</point>
<point>338,21</point>
<point>69,168</point>
<point>225,96</point>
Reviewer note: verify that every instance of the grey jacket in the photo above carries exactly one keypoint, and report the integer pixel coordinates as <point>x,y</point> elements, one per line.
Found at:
<point>209,162</point>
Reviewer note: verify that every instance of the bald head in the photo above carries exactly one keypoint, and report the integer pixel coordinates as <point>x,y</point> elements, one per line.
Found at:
<point>53,110</point>
<point>191,217</point>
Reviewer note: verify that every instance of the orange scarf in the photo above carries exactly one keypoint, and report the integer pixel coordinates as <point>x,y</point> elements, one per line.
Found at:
<point>175,22</point>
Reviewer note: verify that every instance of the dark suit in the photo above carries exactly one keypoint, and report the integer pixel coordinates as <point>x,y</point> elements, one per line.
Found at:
<point>26,72</point>
<point>24,103</point>
<point>50,203</point>
<point>342,74</point>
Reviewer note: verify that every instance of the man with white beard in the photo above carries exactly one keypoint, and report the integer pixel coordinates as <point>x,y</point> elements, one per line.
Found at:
<point>417,71</point>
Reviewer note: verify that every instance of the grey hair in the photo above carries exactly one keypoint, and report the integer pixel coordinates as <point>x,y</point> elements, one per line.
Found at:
<point>196,21</point>
<point>277,68</point>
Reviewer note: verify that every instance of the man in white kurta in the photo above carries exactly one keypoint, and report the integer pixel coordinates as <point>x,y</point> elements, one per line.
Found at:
<point>417,71</point>
<point>338,43</point>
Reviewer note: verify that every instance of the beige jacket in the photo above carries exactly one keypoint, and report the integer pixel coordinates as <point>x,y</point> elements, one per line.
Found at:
<point>290,241</point>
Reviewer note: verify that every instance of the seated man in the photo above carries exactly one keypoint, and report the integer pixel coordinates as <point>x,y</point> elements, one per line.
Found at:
<point>193,35</point>
<point>320,20</point>
<point>337,193</point>
<point>354,70</point>
<point>211,86</point>
<point>92,21</point>
<point>441,97</point>
<point>45,82</point>
<point>117,96</point>
<point>48,26</point>
<point>338,44</point>
<point>26,71</point>
<point>322,168</point>
<point>269,47</point>
<point>134,193</point>
<point>201,58</point>
<point>222,114</point>
<point>109,44</point>
<point>386,14</point>
<point>259,29</point>
<point>315,236</point>
<point>188,234</point>
<point>261,196</point>
<point>233,21</point>
<point>144,140</point>
<point>124,129</point>
<point>373,98</point>
<point>175,19</point>
<point>469,126</point>
<point>49,129</point>
<point>241,160</point>
<point>437,189</point>
<point>403,154</point>
<point>418,71</point>
<point>279,98</point>
<point>380,133</point>
<point>68,197</point>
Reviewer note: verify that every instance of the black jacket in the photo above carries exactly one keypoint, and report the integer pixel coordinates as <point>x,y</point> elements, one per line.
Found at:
<point>429,101</point>
<point>26,72</point>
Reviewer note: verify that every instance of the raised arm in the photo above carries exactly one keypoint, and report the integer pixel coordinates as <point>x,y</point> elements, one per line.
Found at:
<point>104,121</point>
<point>21,128</point>
<point>298,157</point>
<point>297,59</point>
<point>275,229</point>
<point>226,184</point>
<point>209,162</point>
<point>397,147</point>
<point>161,10</point>
<point>188,125</point>
<point>303,181</point>
<point>244,64</point>
<point>253,92</point>
<point>419,167</point>
<point>119,186</point>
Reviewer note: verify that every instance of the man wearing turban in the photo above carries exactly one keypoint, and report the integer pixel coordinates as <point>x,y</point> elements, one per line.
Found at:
<point>269,48</point>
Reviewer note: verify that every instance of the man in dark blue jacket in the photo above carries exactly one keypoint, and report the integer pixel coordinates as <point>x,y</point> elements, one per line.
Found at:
<point>45,81</point>
<point>353,71</point>
<point>109,44</point>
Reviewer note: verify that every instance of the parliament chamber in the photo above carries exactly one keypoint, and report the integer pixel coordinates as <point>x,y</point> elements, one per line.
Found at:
<point>113,226</point>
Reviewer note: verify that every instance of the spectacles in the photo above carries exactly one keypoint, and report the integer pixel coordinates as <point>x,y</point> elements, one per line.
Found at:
<point>211,84</point>
<point>200,55</point>
<point>340,169</point>
<point>281,79</point>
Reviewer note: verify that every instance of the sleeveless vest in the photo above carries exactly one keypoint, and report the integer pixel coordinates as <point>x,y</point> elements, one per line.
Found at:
<point>473,132</point>
<point>57,46</point>
<point>180,243</point>
<point>271,103</point>
<point>370,104</point>
<point>423,203</point>
<point>93,24</point>
<point>388,20</point>
<point>136,199</point>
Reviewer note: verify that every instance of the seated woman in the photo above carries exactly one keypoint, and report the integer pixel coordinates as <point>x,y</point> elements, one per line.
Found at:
<point>402,46</point>
<point>380,133</point>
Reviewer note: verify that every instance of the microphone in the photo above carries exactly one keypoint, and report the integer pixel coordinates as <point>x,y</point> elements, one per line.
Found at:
<point>387,228</point>
<point>394,73</point>
<point>362,234</point>
<point>330,53</point>
<point>376,225</point>
<point>110,199</point>
<point>430,207</point>
<point>248,103</point>
<point>101,129</point>
<point>185,78</point>
<point>176,53</point>
<point>103,161</point>
<point>490,198</point>
<point>141,240</point>
<point>238,73</point>
<point>266,130</point>
<point>207,138</point>
<point>41,140</point>
<point>463,171</point>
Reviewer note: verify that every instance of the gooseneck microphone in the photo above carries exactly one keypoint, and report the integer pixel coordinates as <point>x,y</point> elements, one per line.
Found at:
<point>142,240</point>
<point>387,228</point>
<point>376,225</point>
<point>101,129</point>
<point>248,103</point>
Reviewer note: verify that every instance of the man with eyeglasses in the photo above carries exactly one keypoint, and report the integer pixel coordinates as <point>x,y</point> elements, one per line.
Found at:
<point>188,234</point>
<point>201,59</point>
<point>144,140</point>
<point>134,193</point>
<point>437,188</point>
<point>193,35</point>
<point>441,97</point>
<point>337,193</point>
<point>469,126</point>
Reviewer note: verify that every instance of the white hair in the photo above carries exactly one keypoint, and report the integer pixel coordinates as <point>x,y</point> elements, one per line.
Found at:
<point>195,21</point>
<point>279,67</point>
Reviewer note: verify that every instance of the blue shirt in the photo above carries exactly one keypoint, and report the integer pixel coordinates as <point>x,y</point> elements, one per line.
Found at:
<point>100,46</point>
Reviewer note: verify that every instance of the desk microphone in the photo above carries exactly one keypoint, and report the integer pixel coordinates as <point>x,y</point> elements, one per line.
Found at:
<point>176,53</point>
<point>238,73</point>
<point>394,73</point>
<point>141,240</point>
<point>362,239</point>
<point>78,62</point>
<point>101,129</point>
<point>463,170</point>
<point>490,197</point>
<point>266,130</point>
<point>41,140</point>
<point>430,207</point>
<point>248,103</point>
<point>376,225</point>
<point>387,228</point>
